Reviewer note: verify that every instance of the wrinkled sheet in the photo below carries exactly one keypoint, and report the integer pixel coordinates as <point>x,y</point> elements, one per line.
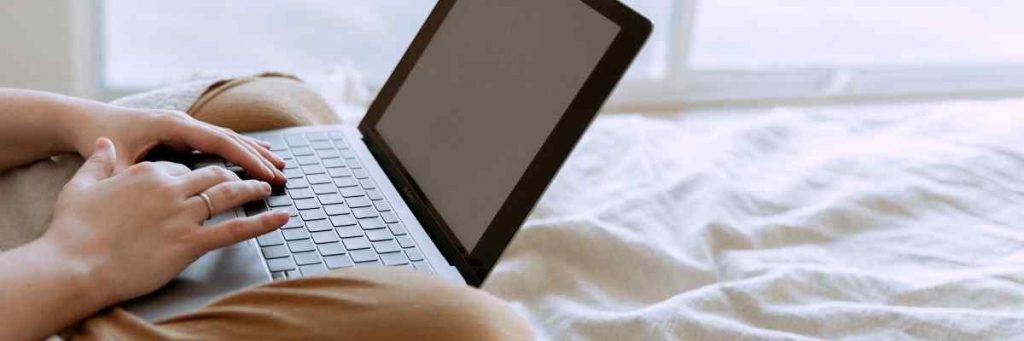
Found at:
<point>857,223</point>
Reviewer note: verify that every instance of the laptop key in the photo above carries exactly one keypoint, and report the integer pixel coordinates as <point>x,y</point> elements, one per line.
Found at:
<point>367,184</point>
<point>271,238</point>
<point>365,255</point>
<point>319,226</point>
<point>293,173</point>
<point>349,231</point>
<point>331,249</point>
<point>338,262</point>
<point>307,204</point>
<point>349,192</point>
<point>312,270</point>
<point>310,170</point>
<point>404,241</point>
<point>397,229</point>
<point>348,154</point>
<point>317,179</point>
<point>324,189</point>
<point>330,199</point>
<point>337,136</point>
<point>307,160</point>
<point>346,181</point>
<point>328,154</point>
<point>356,243</point>
<point>295,140</point>
<point>314,214</point>
<point>281,264</point>
<point>325,237</point>
<point>309,257</point>
<point>414,254</point>
<point>295,234</point>
<point>316,136</point>
<point>394,259</point>
<point>279,201</point>
<point>378,235</point>
<point>278,275</point>
<point>370,264</point>
<point>293,223</point>
<point>293,274</point>
<point>302,245</point>
<point>322,145</point>
<point>389,217</point>
<point>332,163</point>
<point>302,151</point>
<point>358,202</point>
<point>296,184</point>
<point>353,163</point>
<point>371,223</point>
<point>302,193</point>
<point>277,251</point>
<point>364,212</point>
<point>374,194</point>
<point>343,220</point>
<point>337,209</point>
<point>381,205</point>
<point>386,246</point>
<point>360,174</point>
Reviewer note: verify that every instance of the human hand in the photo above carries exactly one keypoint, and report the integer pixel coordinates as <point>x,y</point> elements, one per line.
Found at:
<point>135,132</point>
<point>134,231</point>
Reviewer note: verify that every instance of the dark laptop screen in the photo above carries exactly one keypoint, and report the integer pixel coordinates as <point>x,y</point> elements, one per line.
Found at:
<point>483,97</point>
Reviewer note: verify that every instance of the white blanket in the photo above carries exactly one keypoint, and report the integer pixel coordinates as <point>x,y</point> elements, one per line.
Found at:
<point>865,223</point>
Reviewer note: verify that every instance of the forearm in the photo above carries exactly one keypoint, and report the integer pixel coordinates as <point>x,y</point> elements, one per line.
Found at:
<point>42,292</point>
<point>35,125</point>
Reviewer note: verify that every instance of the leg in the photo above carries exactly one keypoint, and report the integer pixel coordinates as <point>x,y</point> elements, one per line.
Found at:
<point>357,304</point>
<point>263,102</point>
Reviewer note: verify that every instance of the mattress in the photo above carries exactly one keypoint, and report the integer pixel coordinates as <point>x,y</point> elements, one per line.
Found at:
<point>896,222</point>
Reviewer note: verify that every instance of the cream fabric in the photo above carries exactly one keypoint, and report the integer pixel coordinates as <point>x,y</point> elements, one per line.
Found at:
<point>874,223</point>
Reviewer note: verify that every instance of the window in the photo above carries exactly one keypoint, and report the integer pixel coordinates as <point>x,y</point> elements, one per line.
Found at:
<point>702,51</point>
<point>147,43</point>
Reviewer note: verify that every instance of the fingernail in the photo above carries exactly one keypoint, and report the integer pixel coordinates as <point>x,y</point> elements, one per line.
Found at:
<point>265,186</point>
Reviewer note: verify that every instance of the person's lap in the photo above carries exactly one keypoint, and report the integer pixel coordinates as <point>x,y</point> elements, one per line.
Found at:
<point>352,303</point>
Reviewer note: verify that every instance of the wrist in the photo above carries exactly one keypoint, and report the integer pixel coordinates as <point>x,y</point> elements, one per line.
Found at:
<point>76,124</point>
<point>83,277</point>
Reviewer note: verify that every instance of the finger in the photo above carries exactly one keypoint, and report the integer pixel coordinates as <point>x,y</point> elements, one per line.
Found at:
<point>99,166</point>
<point>172,168</point>
<point>277,161</point>
<point>258,142</point>
<point>239,229</point>
<point>278,175</point>
<point>202,179</point>
<point>228,195</point>
<point>210,140</point>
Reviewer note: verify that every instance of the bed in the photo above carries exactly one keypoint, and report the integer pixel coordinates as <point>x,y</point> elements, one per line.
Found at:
<point>870,222</point>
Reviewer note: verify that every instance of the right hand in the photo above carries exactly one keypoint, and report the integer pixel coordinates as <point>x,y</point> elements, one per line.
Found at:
<point>135,231</point>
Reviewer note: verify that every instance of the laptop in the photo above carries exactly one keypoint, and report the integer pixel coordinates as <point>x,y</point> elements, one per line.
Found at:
<point>463,138</point>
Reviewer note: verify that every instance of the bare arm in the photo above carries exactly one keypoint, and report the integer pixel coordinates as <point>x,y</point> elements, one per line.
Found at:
<point>35,125</point>
<point>116,237</point>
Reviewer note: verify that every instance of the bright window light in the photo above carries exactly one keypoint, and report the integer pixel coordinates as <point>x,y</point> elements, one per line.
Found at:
<point>147,43</point>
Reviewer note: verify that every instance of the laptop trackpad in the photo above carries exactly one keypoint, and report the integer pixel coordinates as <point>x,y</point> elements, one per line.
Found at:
<point>213,275</point>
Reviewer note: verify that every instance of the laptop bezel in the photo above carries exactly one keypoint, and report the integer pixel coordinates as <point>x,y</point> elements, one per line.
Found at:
<point>476,264</point>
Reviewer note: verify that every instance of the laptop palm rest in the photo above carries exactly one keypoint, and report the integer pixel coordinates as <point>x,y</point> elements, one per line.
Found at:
<point>208,278</point>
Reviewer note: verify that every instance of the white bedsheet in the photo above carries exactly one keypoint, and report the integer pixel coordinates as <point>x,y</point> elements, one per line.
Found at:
<point>906,222</point>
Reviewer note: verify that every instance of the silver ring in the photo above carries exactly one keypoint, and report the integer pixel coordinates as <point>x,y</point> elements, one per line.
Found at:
<point>209,204</point>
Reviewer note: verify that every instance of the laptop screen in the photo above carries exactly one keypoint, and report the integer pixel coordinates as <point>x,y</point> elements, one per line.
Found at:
<point>483,98</point>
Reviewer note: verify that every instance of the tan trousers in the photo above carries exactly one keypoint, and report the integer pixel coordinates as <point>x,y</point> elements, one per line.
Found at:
<point>351,304</point>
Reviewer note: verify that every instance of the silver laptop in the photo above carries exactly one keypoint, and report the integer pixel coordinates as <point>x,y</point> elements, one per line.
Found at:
<point>461,141</point>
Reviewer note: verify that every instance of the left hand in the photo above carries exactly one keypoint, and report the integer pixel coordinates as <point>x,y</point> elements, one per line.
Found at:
<point>135,132</point>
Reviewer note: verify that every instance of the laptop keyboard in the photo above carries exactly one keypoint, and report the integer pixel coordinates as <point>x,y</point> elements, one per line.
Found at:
<point>339,218</point>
